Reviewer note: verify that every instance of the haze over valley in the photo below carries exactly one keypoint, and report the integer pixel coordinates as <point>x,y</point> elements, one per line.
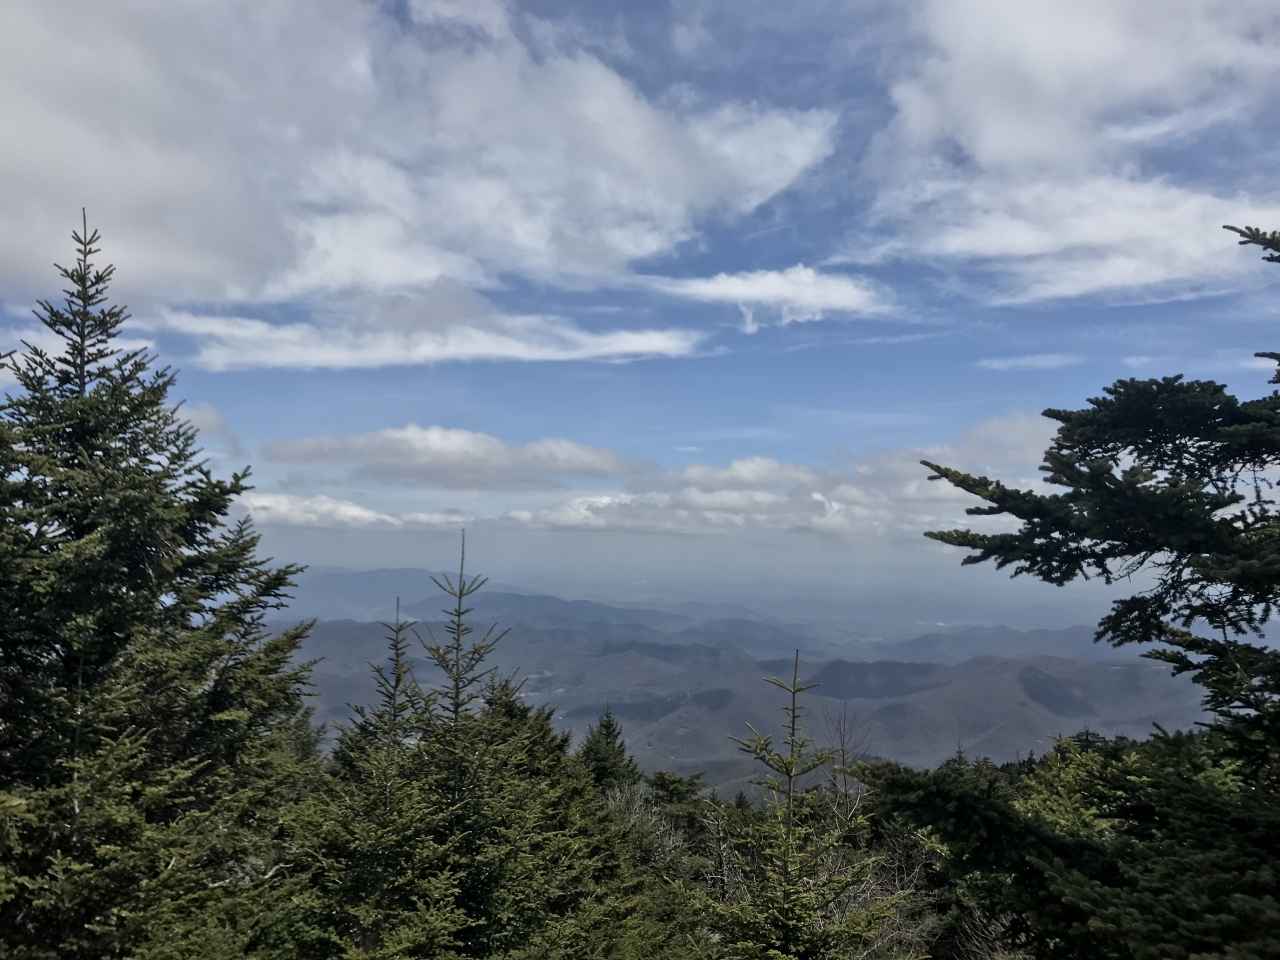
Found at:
<point>686,678</point>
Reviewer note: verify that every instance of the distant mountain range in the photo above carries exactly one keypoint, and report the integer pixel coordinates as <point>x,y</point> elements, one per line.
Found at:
<point>372,596</point>
<point>684,680</point>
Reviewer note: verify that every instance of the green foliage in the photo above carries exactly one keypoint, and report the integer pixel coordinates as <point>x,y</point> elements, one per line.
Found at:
<point>1167,848</point>
<point>1252,236</point>
<point>1166,476</point>
<point>1100,849</point>
<point>604,754</point>
<point>163,796</point>
<point>374,835</point>
<point>1170,477</point>
<point>785,885</point>
<point>455,821</point>
<point>149,725</point>
<point>680,800</point>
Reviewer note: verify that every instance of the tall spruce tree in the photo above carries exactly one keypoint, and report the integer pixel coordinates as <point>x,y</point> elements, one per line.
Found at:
<point>785,885</point>
<point>604,753</point>
<point>453,820</point>
<point>1173,478</point>
<point>373,875</point>
<point>1170,848</point>
<point>527,858</point>
<point>146,717</point>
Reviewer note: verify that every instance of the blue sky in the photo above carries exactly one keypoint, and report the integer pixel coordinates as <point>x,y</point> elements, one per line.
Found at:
<point>652,298</point>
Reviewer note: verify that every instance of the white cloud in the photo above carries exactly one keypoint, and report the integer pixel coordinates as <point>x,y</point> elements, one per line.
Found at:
<point>798,293</point>
<point>554,168</point>
<point>285,150</point>
<point>226,343</point>
<point>747,473</point>
<point>458,459</point>
<point>443,322</point>
<point>884,496</point>
<point>286,509</point>
<point>1021,135</point>
<point>328,513</point>
<point>887,495</point>
<point>490,17</point>
<point>206,419</point>
<point>1082,234</point>
<point>1034,361</point>
<point>1051,82</point>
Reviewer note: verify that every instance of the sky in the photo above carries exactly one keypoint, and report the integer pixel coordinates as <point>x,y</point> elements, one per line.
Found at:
<point>653,299</point>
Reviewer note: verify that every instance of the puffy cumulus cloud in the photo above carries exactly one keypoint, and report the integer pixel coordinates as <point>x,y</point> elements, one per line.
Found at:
<point>329,513</point>
<point>1022,135</point>
<point>277,148</point>
<point>798,293</point>
<point>555,168</point>
<point>456,459</point>
<point>888,495</point>
<point>1054,81</point>
<point>744,474</point>
<point>286,509</point>
<point>885,496</point>
<point>180,127</point>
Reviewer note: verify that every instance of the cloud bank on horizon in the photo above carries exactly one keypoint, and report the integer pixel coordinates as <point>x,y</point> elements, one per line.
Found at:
<point>751,261</point>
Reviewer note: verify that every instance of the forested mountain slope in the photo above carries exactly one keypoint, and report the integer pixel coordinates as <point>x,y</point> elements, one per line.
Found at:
<point>679,702</point>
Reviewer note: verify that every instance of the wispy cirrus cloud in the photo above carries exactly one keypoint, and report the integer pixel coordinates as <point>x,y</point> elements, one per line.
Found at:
<point>443,322</point>
<point>237,343</point>
<point>1032,361</point>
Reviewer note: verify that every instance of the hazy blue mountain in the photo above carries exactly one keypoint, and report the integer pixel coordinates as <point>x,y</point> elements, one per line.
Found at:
<point>541,610</point>
<point>371,596</point>
<point>680,699</point>
<point>684,677</point>
<point>330,594</point>
<point>696,609</point>
<point>958,645</point>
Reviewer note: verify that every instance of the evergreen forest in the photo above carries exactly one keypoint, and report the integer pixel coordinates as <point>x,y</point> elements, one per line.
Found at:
<point>164,793</point>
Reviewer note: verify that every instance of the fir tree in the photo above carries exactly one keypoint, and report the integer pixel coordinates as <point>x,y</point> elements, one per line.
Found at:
<point>147,719</point>
<point>454,821</point>
<point>1167,848</point>
<point>519,807</point>
<point>785,885</point>
<point>372,839</point>
<point>1171,478</point>
<point>604,753</point>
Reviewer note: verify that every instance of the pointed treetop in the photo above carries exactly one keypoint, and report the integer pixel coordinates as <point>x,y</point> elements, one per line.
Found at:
<point>84,324</point>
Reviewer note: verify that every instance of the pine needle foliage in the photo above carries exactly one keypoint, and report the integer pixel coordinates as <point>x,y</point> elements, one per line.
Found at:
<point>454,820</point>
<point>1176,479</point>
<point>785,885</point>
<point>374,837</point>
<point>604,753</point>
<point>1168,848</point>
<point>149,723</point>
<point>465,682</point>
